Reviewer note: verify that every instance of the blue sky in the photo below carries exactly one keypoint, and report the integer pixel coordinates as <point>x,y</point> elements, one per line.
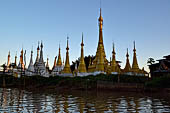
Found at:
<point>25,22</point>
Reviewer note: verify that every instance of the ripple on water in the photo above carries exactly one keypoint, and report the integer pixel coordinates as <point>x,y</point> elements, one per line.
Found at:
<point>14,100</point>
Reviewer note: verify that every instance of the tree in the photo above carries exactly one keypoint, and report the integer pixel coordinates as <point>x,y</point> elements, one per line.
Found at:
<point>4,68</point>
<point>150,61</point>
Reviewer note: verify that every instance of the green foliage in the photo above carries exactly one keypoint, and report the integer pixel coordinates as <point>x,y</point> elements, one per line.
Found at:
<point>80,82</point>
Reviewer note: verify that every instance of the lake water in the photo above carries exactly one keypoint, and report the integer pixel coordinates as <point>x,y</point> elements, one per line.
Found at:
<point>14,100</point>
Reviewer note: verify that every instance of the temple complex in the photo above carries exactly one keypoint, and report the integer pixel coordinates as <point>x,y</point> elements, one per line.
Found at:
<point>98,65</point>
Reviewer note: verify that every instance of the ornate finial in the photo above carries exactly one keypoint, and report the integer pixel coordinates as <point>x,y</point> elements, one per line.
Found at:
<point>32,50</point>
<point>67,43</point>
<point>134,47</point>
<point>100,7</point>
<point>127,55</point>
<point>22,46</point>
<point>9,53</point>
<point>41,44</point>
<point>82,44</point>
<point>38,48</point>
<point>82,37</point>
<point>114,48</point>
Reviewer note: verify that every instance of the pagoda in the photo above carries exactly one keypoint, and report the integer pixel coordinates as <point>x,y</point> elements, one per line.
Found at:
<point>114,65</point>
<point>100,62</point>
<point>67,71</point>
<point>135,67</point>
<point>8,61</point>
<point>82,66</point>
<point>127,69</point>
<point>39,65</point>
<point>30,70</point>
<point>57,68</point>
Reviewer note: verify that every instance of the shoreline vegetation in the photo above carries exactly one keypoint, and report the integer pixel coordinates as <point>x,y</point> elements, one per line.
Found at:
<point>88,83</point>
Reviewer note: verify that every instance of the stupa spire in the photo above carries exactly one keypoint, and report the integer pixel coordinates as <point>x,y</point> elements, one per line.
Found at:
<point>135,67</point>
<point>38,51</point>
<point>47,65</point>
<point>31,66</point>
<point>67,69</point>
<point>59,61</point>
<point>113,63</point>
<point>127,66</point>
<point>100,27</point>
<point>16,59</point>
<point>100,60</point>
<point>8,61</point>
<point>55,62</point>
<point>41,53</point>
<point>82,67</point>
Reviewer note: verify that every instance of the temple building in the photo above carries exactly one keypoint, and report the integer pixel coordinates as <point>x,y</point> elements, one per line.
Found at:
<point>160,68</point>
<point>40,68</point>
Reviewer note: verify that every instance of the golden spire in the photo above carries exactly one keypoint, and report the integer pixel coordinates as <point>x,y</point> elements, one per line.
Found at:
<point>55,60</point>
<point>135,67</point>
<point>100,60</point>
<point>67,63</point>
<point>127,67</point>
<point>82,67</point>
<point>100,28</point>
<point>16,59</point>
<point>59,61</point>
<point>113,63</point>
<point>8,62</point>
<point>22,59</point>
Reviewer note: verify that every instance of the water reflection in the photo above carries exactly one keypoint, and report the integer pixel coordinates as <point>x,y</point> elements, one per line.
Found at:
<point>14,100</point>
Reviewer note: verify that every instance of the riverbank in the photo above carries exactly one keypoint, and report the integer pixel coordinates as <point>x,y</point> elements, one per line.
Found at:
<point>98,83</point>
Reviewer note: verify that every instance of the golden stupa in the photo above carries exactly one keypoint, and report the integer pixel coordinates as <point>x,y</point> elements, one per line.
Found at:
<point>67,69</point>
<point>82,66</point>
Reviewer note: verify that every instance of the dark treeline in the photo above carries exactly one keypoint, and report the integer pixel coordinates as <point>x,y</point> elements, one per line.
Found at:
<point>88,82</point>
<point>87,59</point>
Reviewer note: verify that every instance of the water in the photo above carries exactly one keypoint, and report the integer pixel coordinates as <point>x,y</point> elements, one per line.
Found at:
<point>14,100</point>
